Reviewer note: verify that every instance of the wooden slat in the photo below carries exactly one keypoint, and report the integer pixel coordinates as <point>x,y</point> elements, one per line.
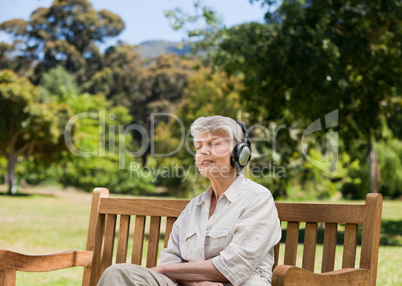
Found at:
<point>8,277</point>
<point>97,194</point>
<point>145,207</point>
<point>292,239</point>
<point>349,246</point>
<point>276,254</point>
<point>153,242</point>
<point>93,221</point>
<point>310,243</point>
<point>45,262</point>
<point>169,224</point>
<point>371,235</point>
<point>109,241</point>
<point>329,248</point>
<point>122,242</point>
<point>295,276</point>
<point>97,257</point>
<point>321,213</point>
<point>138,240</point>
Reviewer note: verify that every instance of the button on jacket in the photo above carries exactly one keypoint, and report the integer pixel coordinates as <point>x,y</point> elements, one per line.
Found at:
<point>239,237</point>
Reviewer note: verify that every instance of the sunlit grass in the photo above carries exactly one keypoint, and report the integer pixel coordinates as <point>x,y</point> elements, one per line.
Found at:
<point>58,220</point>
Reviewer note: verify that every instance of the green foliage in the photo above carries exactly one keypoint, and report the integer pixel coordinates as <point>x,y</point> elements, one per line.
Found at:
<point>392,120</point>
<point>308,59</point>
<point>95,128</point>
<point>144,87</point>
<point>102,169</point>
<point>311,58</point>
<point>53,82</point>
<point>5,56</point>
<point>121,75</point>
<point>66,33</point>
<point>179,19</point>
<point>60,42</point>
<point>161,91</point>
<point>27,127</point>
<point>390,166</point>
<point>205,95</point>
<point>388,171</point>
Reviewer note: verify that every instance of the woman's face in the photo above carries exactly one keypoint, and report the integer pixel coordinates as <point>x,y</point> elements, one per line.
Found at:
<point>213,155</point>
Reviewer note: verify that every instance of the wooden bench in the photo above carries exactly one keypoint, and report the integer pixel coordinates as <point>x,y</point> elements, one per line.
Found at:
<point>148,215</point>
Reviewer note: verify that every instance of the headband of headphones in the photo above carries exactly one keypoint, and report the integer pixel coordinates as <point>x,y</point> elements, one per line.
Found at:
<point>245,131</point>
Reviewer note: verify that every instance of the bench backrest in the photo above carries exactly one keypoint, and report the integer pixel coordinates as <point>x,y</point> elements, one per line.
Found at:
<point>154,218</point>
<point>147,218</point>
<point>332,217</point>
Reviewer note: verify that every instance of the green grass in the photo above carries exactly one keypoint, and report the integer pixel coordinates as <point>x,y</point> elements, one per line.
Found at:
<point>36,224</point>
<point>51,220</point>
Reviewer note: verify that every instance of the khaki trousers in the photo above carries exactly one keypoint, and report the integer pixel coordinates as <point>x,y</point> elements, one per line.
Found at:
<point>125,274</point>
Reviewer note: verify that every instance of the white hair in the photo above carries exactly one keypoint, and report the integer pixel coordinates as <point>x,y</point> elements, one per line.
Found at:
<point>218,124</point>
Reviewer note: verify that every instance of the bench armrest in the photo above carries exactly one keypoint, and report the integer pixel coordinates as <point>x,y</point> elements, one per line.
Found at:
<point>292,275</point>
<point>10,260</point>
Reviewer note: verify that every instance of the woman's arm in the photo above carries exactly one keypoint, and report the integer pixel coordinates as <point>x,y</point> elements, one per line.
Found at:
<point>200,283</point>
<point>191,271</point>
<point>171,254</point>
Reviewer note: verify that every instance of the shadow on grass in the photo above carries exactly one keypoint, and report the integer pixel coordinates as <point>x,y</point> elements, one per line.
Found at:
<point>15,195</point>
<point>26,195</point>
<point>391,234</point>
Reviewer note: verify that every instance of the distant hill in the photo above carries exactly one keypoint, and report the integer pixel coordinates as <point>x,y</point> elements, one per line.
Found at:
<point>150,49</point>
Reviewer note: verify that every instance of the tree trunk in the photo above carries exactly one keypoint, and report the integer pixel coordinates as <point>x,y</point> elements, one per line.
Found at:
<point>144,158</point>
<point>11,178</point>
<point>373,166</point>
<point>64,177</point>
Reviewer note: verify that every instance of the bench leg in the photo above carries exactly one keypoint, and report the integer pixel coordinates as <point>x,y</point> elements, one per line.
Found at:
<point>7,277</point>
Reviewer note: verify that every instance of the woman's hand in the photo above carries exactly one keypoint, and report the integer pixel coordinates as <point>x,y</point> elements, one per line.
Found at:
<point>200,283</point>
<point>158,269</point>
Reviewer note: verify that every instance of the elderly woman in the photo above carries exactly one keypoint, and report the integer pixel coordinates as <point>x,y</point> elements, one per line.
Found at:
<point>226,235</point>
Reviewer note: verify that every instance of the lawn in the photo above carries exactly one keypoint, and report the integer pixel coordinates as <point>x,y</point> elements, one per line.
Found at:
<point>51,220</point>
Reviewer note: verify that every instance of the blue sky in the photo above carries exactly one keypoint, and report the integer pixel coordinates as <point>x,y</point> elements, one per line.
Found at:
<point>144,20</point>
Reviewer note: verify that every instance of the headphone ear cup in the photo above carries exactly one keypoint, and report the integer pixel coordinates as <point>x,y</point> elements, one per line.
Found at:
<point>244,155</point>
<point>233,158</point>
<point>240,156</point>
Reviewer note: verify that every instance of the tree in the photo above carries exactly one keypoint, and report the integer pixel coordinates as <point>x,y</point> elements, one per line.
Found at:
<point>143,86</point>
<point>205,95</point>
<point>121,77</point>
<point>27,126</point>
<point>98,146</point>
<point>5,56</point>
<point>314,57</point>
<point>66,33</point>
<point>55,83</point>
<point>162,90</point>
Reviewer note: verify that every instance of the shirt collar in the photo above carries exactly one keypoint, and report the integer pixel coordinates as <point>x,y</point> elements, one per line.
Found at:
<point>231,193</point>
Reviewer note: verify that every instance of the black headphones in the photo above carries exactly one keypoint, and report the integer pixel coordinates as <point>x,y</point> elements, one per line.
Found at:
<point>241,153</point>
